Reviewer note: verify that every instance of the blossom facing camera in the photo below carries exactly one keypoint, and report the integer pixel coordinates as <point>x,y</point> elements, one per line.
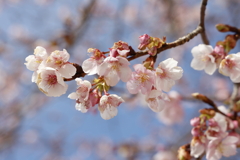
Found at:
<point>156,100</point>
<point>166,74</point>
<point>59,61</point>
<point>51,83</point>
<point>230,66</point>
<point>115,68</point>
<point>141,80</point>
<point>90,65</point>
<point>203,59</point>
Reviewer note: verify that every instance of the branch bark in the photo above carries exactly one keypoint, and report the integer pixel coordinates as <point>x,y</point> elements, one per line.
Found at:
<point>182,40</point>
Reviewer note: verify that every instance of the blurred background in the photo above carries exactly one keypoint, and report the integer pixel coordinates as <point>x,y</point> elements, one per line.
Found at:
<point>36,127</point>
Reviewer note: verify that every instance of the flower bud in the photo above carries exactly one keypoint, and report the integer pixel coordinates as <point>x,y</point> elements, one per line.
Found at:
<point>184,152</point>
<point>222,28</point>
<point>195,121</point>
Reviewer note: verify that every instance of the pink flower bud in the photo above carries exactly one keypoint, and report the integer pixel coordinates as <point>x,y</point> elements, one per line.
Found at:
<point>195,121</point>
<point>144,41</point>
<point>196,131</point>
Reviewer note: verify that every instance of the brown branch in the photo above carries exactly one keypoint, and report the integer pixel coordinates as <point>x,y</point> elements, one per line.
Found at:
<point>208,101</point>
<point>234,98</point>
<point>202,22</point>
<point>182,40</point>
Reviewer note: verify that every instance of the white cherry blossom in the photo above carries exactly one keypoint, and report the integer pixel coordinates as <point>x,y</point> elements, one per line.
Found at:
<point>90,65</point>
<point>203,59</point>
<point>166,74</point>
<point>33,61</point>
<point>59,61</point>
<point>197,147</point>
<point>82,92</point>
<point>50,82</point>
<point>141,80</point>
<point>115,68</point>
<point>222,146</point>
<point>230,66</point>
<point>108,105</point>
<point>156,100</point>
<point>173,111</point>
<point>85,98</point>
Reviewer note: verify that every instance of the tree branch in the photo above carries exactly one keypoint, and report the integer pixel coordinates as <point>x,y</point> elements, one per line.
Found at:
<point>182,40</point>
<point>202,22</point>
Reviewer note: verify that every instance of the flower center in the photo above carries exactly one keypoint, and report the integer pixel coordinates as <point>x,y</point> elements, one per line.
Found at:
<point>142,77</point>
<point>52,79</point>
<point>229,63</point>
<point>161,73</point>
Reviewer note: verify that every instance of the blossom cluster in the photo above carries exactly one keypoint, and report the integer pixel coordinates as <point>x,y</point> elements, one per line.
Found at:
<point>50,70</point>
<point>214,134</point>
<point>209,59</point>
<point>115,67</point>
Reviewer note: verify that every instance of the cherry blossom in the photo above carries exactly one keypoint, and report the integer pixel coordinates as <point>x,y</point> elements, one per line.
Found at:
<point>166,74</point>
<point>219,54</point>
<point>203,59</point>
<point>33,61</point>
<point>59,61</point>
<point>144,41</point>
<point>151,43</point>
<point>82,92</point>
<point>121,48</point>
<point>230,66</point>
<point>50,82</point>
<point>224,145</point>
<point>141,80</point>
<point>91,65</point>
<point>108,106</point>
<point>156,100</point>
<point>173,111</point>
<point>85,98</point>
<point>198,146</point>
<point>85,105</point>
<point>115,68</point>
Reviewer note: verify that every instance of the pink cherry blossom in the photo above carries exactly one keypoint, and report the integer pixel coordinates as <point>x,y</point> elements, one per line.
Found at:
<point>85,98</point>
<point>59,61</point>
<point>156,100</point>
<point>141,80</point>
<point>108,106</point>
<point>203,59</point>
<point>121,48</point>
<point>173,111</point>
<point>230,66</point>
<point>33,61</point>
<point>219,54</point>
<point>144,41</point>
<point>195,121</point>
<point>82,92</point>
<point>224,145</point>
<point>166,74</point>
<point>90,66</point>
<point>50,82</point>
<point>115,68</point>
<point>198,146</point>
<point>85,105</point>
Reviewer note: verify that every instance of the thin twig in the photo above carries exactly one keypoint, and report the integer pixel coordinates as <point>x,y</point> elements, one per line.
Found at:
<point>182,40</point>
